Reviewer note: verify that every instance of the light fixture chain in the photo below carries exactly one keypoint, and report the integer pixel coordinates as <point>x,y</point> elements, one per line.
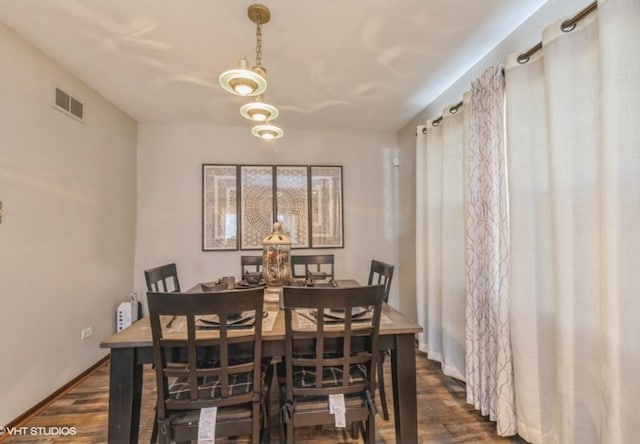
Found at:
<point>259,41</point>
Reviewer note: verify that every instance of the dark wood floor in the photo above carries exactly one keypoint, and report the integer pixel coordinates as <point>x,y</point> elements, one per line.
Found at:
<point>443,415</point>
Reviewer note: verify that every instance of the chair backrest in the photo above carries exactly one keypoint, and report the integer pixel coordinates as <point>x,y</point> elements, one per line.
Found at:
<point>381,273</point>
<point>222,366</point>
<point>159,275</point>
<point>250,264</point>
<point>301,265</point>
<point>320,348</point>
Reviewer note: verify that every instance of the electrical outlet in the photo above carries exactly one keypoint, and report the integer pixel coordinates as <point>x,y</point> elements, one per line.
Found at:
<point>84,334</point>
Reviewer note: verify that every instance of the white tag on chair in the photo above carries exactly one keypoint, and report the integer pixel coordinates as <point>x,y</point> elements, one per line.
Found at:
<point>338,409</point>
<point>207,425</point>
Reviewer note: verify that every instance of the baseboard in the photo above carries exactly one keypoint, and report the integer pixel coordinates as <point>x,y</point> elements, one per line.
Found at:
<point>33,411</point>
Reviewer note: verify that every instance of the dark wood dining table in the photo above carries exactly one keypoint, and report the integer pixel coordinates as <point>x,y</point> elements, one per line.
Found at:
<point>131,349</point>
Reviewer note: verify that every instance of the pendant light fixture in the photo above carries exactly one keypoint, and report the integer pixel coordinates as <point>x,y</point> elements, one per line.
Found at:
<point>246,81</point>
<point>267,131</point>
<point>259,111</point>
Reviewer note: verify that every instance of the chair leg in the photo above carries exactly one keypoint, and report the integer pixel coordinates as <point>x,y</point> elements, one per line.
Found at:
<point>370,435</point>
<point>289,432</point>
<point>265,432</point>
<point>355,430</point>
<point>383,395</point>
<point>282,426</point>
<point>256,423</point>
<point>265,437</point>
<point>154,431</point>
<point>283,433</point>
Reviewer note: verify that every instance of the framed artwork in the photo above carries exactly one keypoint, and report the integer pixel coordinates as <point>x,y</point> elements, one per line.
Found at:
<point>256,205</point>
<point>292,203</point>
<point>219,207</point>
<point>241,202</point>
<point>326,207</point>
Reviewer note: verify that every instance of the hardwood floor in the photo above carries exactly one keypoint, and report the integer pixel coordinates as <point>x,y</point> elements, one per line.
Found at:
<point>443,416</point>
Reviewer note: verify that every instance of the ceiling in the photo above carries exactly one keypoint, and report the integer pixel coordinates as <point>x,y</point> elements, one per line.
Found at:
<point>332,64</point>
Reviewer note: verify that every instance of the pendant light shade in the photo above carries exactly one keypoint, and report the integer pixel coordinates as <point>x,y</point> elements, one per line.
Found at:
<point>267,131</point>
<point>244,81</point>
<point>259,111</point>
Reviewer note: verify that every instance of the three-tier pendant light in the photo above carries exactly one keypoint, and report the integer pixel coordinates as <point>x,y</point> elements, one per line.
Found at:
<point>251,81</point>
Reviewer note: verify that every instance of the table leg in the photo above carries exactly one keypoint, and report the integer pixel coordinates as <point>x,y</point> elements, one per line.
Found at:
<point>403,375</point>
<point>125,393</point>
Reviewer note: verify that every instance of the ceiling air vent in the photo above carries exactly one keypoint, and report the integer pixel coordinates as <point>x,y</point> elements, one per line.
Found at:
<point>68,105</point>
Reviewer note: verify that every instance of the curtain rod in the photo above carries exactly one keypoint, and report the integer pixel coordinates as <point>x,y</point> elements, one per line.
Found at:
<point>566,26</point>
<point>452,110</point>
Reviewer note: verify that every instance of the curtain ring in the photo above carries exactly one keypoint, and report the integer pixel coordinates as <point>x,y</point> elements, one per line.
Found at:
<point>424,130</point>
<point>454,109</point>
<point>570,24</point>
<point>523,58</point>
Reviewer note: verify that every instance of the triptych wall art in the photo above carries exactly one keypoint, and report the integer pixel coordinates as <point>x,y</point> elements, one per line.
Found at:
<point>241,202</point>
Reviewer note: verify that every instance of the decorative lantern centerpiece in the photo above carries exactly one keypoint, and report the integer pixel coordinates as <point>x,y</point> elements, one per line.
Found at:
<point>276,259</point>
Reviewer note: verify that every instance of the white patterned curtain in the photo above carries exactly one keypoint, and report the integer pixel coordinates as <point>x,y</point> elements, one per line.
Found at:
<point>573,114</point>
<point>440,241</point>
<point>489,368</point>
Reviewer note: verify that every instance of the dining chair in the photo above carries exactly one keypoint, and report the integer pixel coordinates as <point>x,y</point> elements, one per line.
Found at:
<point>331,348</point>
<point>160,275</point>
<point>224,367</point>
<point>381,273</point>
<point>250,264</point>
<point>302,265</point>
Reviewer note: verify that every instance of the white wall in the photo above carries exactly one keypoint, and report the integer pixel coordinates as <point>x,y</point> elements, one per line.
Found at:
<point>66,240</point>
<point>170,159</point>
<point>520,40</point>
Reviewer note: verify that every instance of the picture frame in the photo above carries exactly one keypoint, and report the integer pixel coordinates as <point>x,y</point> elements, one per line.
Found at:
<point>326,207</point>
<point>292,203</point>
<point>219,207</point>
<point>256,205</point>
<point>240,203</point>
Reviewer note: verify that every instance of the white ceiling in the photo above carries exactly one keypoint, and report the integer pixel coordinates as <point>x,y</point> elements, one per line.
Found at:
<point>332,64</point>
